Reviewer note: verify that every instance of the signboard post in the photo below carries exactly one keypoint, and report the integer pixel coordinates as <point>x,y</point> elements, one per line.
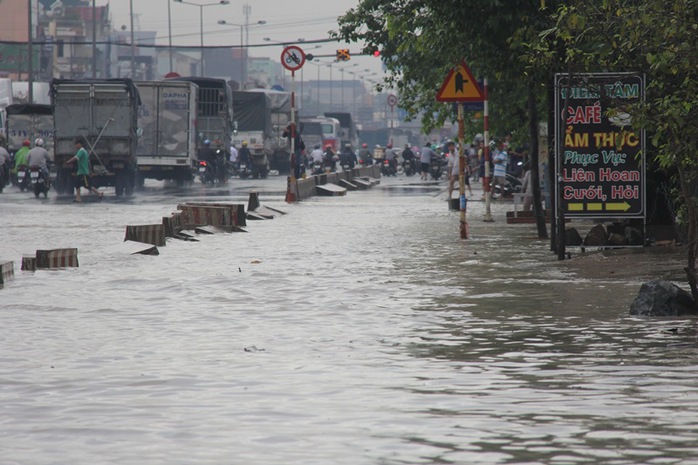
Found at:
<point>600,162</point>
<point>460,86</point>
<point>293,59</point>
<point>392,101</point>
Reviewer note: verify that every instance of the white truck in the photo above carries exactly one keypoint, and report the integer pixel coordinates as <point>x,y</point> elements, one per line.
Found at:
<point>262,116</point>
<point>5,100</point>
<point>103,114</point>
<point>167,128</point>
<point>29,122</point>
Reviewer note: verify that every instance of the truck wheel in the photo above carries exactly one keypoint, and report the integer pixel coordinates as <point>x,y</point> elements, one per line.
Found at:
<point>140,180</point>
<point>64,183</point>
<point>119,184</point>
<point>130,182</point>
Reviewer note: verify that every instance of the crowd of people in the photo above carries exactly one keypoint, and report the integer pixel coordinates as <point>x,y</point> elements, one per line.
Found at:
<point>505,161</point>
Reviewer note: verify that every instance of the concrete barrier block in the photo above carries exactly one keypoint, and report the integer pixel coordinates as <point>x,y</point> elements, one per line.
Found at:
<point>28,263</point>
<point>7,271</point>
<point>203,213</point>
<point>330,190</point>
<point>306,187</point>
<point>348,184</point>
<point>56,258</point>
<point>253,201</point>
<point>148,233</point>
<point>133,248</point>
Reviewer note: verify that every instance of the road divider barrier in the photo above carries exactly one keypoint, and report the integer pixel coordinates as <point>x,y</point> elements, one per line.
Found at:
<point>56,258</point>
<point>203,218</point>
<point>360,178</point>
<point>7,271</point>
<point>148,233</point>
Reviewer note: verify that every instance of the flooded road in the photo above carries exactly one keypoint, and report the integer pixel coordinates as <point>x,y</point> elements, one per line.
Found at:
<point>355,330</point>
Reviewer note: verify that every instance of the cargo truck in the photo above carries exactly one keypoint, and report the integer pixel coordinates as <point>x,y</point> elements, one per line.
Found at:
<point>261,116</point>
<point>29,122</point>
<point>167,127</point>
<point>103,114</point>
<point>214,115</point>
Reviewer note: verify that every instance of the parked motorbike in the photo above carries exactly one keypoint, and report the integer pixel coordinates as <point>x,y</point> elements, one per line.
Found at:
<point>40,182</point>
<point>22,179</point>
<point>512,185</point>
<point>207,174</point>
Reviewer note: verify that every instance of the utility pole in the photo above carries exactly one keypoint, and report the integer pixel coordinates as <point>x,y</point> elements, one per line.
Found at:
<point>133,45</point>
<point>94,40</point>
<point>247,11</point>
<point>30,55</point>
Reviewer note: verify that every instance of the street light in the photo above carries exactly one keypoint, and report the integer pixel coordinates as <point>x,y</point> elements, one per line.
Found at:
<point>243,49</point>
<point>201,22</point>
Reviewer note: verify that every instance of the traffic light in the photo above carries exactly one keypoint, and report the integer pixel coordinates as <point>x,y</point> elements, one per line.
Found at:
<point>377,53</point>
<point>343,54</point>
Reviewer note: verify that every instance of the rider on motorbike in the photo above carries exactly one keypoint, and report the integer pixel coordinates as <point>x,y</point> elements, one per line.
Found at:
<point>365,157</point>
<point>38,156</point>
<point>391,156</point>
<point>244,154</point>
<point>207,154</point>
<point>4,164</point>
<point>348,157</point>
<point>330,159</point>
<point>21,156</point>
<point>409,159</point>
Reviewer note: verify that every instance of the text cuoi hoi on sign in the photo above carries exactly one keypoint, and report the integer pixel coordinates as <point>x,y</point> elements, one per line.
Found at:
<point>600,159</point>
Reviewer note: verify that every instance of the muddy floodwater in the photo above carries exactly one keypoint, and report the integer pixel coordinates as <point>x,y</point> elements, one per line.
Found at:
<point>356,330</point>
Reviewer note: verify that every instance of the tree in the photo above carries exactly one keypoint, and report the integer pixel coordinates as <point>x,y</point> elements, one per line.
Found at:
<point>420,40</point>
<point>661,39</point>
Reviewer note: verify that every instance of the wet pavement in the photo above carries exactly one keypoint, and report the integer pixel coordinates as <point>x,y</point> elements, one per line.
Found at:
<point>352,330</point>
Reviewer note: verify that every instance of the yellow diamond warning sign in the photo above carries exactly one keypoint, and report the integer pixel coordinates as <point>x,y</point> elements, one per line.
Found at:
<point>460,86</point>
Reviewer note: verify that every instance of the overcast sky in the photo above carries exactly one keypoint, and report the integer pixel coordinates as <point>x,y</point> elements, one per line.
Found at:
<point>285,21</point>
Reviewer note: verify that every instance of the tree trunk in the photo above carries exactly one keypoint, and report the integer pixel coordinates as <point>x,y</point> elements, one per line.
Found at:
<point>692,239</point>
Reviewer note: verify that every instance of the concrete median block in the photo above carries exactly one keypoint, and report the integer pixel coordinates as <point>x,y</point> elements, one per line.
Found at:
<point>148,233</point>
<point>330,190</point>
<point>7,271</point>
<point>56,258</point>
<point>28,263</point>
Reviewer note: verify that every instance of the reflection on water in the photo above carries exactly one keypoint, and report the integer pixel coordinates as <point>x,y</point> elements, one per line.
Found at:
<point>354,330</point>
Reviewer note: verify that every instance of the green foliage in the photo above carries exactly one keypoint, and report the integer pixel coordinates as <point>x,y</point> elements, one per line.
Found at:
<point>421,40</point>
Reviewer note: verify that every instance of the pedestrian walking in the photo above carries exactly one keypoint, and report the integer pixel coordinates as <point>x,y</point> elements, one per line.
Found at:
<point>83,173</point>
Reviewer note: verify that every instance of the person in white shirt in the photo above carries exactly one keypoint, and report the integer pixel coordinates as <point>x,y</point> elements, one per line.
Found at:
<point>453,170</point>
<point>38,156</point>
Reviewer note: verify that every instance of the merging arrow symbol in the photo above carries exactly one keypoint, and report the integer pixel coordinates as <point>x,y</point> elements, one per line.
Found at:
<point>459,82</point>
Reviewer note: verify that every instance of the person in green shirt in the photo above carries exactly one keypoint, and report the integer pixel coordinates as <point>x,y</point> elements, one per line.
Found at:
<point>21,156</point>
<point>83,174</point>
